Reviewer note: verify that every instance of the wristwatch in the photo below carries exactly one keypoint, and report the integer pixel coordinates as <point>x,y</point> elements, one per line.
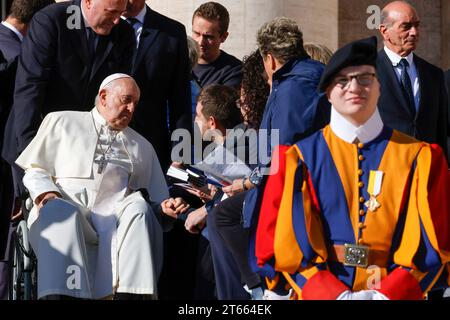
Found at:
<point>244,187</point>
<point>255,177</point>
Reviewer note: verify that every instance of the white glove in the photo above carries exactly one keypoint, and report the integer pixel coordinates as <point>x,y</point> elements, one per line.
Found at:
<point>270,295</point>
<point>362,295</point>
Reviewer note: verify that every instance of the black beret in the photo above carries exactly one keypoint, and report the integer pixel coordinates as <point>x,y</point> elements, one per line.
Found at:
<point>357,53</point>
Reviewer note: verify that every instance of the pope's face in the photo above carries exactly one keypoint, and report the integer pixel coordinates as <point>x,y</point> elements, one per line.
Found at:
<point>118,102</point>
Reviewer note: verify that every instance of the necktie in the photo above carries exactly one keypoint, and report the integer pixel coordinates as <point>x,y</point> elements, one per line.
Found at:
<point>136,24</point>
<point>92,37</point>
<point>406,85</point>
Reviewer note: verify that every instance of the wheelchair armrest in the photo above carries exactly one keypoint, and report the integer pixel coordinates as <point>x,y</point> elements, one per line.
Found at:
<point>26,204</point>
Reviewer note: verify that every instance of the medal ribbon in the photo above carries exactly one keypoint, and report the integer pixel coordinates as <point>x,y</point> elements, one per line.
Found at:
<point>375,180</point>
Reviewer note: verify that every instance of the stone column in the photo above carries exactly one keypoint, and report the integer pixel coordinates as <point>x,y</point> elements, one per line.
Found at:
<point>4,8</point>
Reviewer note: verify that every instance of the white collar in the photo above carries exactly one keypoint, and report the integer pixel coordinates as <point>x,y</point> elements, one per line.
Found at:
<point>13,29</point>
<point>140,16</point>
<point>395,58</point>
<point>98,117</point>
<point>348,132</point>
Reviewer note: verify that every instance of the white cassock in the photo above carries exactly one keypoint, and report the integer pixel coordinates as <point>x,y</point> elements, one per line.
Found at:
<point>101,237</point>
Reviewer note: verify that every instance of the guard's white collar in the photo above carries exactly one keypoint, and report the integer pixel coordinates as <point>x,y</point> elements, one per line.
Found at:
<point>345,130</point>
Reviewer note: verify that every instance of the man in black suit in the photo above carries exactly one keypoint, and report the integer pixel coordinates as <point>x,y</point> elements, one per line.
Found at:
<point>12,32</point>
<point>161,69</point>
<point>6,190</point>
<point>70,48</point>
<point>447,80</point>
<point>412,101</point>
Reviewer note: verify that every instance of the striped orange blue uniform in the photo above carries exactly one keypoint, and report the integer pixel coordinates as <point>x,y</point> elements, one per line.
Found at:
<point>316,204</point>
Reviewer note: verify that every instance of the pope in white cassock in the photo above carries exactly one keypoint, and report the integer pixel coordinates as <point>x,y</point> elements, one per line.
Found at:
<point>93,232</point>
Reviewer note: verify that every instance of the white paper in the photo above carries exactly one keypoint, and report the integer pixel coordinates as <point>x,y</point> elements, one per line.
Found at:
<point>222,165</point>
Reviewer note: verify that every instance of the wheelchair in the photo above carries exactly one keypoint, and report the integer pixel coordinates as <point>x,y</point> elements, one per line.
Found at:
<point>23,264</point>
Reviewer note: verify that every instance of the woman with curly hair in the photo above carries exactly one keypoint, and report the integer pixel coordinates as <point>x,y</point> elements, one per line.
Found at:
<point>231,268</point>
<point>254,89</point>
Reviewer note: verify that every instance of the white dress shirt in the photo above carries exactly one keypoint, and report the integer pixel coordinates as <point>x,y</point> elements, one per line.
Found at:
<point>345,130</point>
<point>412,72</point>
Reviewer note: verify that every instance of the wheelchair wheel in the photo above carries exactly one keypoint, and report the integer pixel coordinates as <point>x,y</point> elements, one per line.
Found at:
<point>23,269</point>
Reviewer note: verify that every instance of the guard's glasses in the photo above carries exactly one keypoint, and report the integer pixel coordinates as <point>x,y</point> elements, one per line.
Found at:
<point>363,79</point>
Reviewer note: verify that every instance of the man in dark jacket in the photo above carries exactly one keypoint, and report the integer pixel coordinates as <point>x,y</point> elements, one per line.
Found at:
<point>12,32</point>
<point>161,69</point>
<point>210,29</point>
<point>413,98</point>
<point>294,110</point>
<point>69,49</point>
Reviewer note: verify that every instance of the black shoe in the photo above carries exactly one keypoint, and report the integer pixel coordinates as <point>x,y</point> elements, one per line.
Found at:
<point>131,296</point>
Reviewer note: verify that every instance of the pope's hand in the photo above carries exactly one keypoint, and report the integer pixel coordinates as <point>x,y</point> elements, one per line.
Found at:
<point>174,207</point>
<point>43,198</point>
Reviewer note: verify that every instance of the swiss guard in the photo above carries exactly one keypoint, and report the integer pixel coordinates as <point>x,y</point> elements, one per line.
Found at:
<point>357,211</point>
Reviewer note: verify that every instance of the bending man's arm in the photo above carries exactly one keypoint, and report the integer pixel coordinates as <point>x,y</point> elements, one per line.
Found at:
<point>33,72</point>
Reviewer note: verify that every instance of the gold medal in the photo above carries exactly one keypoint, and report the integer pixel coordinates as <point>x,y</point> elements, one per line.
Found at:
<point>372,204</point>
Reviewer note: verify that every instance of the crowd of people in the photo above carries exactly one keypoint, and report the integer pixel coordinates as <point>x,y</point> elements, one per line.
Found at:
<point>343,169</point>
